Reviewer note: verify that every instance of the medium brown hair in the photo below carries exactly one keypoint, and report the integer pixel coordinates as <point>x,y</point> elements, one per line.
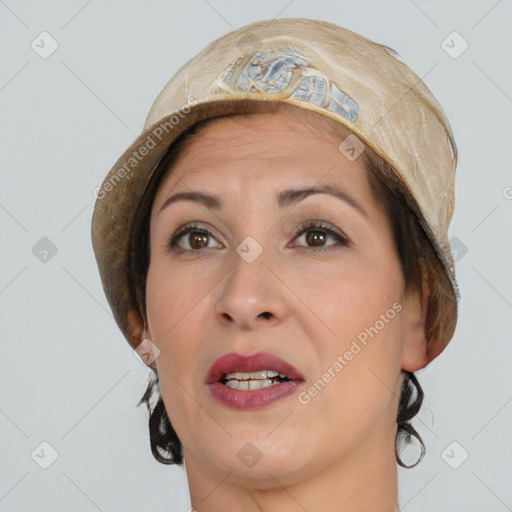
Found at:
<point>419,262</point>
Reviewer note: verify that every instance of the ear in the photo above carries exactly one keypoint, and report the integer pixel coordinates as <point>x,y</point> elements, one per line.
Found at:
<point>140,339</point>
<point>414,350</point>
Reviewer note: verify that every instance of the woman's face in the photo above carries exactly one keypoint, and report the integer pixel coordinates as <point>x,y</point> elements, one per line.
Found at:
<point>313,279</point>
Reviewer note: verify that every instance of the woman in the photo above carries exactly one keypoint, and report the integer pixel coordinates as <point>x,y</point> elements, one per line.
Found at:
<point>274,245</point>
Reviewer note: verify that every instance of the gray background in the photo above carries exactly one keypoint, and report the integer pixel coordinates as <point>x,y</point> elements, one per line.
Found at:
<point>68,377</point>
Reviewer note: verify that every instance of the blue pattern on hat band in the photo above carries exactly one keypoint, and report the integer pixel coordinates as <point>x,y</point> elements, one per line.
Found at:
<point>273,71</point>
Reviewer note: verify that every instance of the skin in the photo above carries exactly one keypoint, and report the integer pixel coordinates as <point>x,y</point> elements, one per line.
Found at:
<point>336,452</point>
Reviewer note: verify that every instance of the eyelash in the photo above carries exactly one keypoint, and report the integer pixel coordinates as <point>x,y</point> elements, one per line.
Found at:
<point>319,226</point>
<point>192,228</point>
<point>303,228</point>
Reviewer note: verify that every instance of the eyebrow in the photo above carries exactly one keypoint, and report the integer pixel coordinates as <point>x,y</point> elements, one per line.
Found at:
<point>285,198</point>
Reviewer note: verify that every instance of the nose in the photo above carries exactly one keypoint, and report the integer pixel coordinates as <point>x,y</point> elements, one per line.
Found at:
<point>252,296</point>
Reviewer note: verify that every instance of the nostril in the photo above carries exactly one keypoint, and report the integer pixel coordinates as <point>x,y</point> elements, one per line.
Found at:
<point>266,314</point>
<point>226,316</point>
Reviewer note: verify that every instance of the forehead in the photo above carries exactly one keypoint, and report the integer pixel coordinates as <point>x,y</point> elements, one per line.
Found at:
<point>261,150</point>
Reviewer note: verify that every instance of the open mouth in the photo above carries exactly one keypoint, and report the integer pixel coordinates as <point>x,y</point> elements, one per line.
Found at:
<point>250,382</point>
<point>253,380</point>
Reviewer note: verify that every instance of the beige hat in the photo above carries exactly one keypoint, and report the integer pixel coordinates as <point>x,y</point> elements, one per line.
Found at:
<point>310,64</point>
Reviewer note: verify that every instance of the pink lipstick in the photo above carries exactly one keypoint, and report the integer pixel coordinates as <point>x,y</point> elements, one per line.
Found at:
<point>252,382</point>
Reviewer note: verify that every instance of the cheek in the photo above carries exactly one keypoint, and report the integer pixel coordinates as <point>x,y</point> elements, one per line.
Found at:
<point>359,338</point>
<point>347,298</point>
<point>169,298</point>
<point>180,309</point>
<point>356,380</point>
<point>173,308</point>
<point>176,321</point>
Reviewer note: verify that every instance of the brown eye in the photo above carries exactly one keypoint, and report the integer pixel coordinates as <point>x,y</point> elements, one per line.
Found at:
<point>317,235</point>
<point>198,240</point>
<point>315,238</point>
<point>192,238</point>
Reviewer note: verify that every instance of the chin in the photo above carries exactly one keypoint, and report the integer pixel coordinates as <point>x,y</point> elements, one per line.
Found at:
<point>258,458</point>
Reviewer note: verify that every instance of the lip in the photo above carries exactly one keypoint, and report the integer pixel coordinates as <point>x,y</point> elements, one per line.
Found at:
<point>252,399</point>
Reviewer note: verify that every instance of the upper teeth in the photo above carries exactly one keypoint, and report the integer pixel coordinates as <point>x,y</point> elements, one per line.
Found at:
<point>260,374</point>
